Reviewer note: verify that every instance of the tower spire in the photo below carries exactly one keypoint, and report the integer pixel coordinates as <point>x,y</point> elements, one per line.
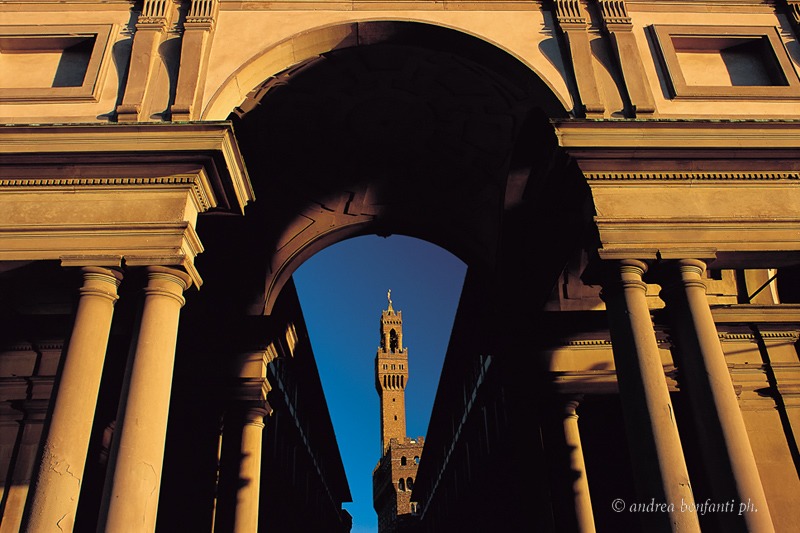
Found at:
<point>391,375</point>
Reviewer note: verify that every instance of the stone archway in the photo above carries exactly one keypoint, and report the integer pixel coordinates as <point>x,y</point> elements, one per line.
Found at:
<point>415,132</point>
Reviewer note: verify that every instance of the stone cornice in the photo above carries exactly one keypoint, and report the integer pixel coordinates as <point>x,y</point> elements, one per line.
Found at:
<point>702,176</point>
<point>203,201</point>
<point>747,313</point>
<point>128,143</point>
<point>597,135</point>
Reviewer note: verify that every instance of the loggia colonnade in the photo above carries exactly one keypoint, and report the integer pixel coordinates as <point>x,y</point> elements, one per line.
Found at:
<point>131,167</point>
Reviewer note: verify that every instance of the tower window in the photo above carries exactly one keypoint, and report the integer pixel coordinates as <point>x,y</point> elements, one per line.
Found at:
<point>403,461</point>
<point>394,341</point>
<point>410,483</point>
<point>401,484</point>
<point>395,417</point>
<point>416,459</point>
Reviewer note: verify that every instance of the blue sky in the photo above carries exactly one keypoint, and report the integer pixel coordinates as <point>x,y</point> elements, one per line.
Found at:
<point>342,292</point>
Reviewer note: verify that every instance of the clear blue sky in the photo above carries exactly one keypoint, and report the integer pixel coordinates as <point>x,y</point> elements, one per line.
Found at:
<point>342,292</point>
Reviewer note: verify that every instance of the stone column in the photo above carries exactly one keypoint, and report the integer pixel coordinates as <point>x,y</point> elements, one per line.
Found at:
<point>130,497</point>
<point>659,466</point>
<point>240,479</point>
<point>577,466</point>
<point>727,454</point>
<point>54,497</point>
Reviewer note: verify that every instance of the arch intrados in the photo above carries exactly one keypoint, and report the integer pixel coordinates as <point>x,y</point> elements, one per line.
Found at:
<point>293,51</point>
<point>288,268</point>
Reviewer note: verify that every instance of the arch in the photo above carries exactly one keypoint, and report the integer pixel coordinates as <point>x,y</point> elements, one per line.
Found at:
<point>345,204</point>
<point>401,485</point>
<point>403,461</point>
<point>306,46</point>
<point>410,483</point>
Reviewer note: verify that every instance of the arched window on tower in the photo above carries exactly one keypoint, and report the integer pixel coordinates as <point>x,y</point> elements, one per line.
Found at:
<point>403,461</point>
<point>394,341</point>
<point>410,483</point>
<point>401,485</point>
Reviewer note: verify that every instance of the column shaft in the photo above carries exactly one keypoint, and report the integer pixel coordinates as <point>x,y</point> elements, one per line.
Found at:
<point>240,480</point>
<point>130,497</point>
<point>60,472</point>
<point>658,463</point>
<point>580,486</point>
<point>727,454</point>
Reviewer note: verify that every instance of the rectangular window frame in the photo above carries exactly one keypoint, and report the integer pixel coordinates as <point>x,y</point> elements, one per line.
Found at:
<point>676,81</point>
<point>44,36</point>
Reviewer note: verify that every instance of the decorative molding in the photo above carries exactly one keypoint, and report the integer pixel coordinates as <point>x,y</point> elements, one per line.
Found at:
<point>50,38</point>
<point>154,15</point>
<point>791,336</point>
<point>678,175</point>
<point>589,343</point>
<point>569,12</point>
<point>211,146</point>
<point>202,13</point>
<point>784,83</point>
<point>614,12</point>
<point>201,196</point>
<point>662,135</point>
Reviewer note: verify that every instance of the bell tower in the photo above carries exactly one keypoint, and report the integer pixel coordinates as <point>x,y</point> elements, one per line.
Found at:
<point>393,478</point>
<point>391,375</point>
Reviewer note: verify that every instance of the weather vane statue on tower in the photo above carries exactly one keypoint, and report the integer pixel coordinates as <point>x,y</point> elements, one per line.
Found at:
<point>389,297</point>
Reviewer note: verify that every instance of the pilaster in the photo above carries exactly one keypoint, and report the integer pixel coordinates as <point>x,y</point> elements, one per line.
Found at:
<point>618,25</point>
<point>573,22</point>
<point>198,32</point>
<point>151,30</point>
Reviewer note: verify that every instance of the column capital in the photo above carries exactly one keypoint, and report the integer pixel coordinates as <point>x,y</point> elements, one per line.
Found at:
<point>570,405</point>
<point>171,274</point>
<point>113,275</point>
<point>252,413</point>
<point>100,282</point>
<point>622,274</point>
<point>680,273</point>
<point>164,281</point>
